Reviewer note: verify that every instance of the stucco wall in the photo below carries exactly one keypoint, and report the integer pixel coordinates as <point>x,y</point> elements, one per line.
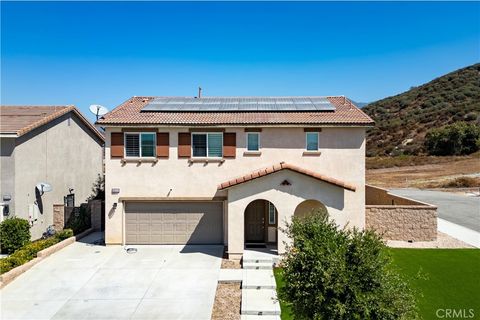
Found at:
<point>7,170</point>
<point>342,205</point>
<point>407,223</point>
<point>342,157</point>
<point>63,153</point>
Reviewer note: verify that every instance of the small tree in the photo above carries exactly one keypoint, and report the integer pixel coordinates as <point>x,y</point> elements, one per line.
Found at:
<point>98,189</point>
<point>331,274</point>
<point>14,234</point>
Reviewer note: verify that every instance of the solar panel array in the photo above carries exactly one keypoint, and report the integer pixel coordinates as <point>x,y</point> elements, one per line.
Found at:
<point>225,104</point>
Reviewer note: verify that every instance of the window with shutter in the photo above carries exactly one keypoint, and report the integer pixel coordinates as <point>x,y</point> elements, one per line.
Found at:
<point>207,145</point>
<point>140,144</point>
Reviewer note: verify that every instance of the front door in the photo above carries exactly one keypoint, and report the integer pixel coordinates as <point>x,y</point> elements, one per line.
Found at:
<point>255,222</point>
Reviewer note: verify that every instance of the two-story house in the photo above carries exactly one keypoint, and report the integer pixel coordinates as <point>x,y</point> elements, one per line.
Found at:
<point>230,170</point>
<point>40,146</point>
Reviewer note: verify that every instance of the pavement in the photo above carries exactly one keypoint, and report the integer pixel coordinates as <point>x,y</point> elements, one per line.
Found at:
<point>459,209</point>
<point>86,281</point>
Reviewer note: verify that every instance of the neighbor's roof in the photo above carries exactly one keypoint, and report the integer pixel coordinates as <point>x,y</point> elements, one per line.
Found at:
<point>19,120</point>
<point>130,113</point>
<point>284,166</point>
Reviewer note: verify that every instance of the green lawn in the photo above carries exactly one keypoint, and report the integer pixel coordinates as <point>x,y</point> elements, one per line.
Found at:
<point>442,278</point>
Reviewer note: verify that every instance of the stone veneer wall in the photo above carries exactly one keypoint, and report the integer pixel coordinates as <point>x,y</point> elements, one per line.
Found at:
<point>398,218</point>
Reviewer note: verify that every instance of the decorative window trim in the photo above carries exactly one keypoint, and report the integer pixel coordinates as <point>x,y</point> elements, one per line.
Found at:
<point>139,134</point>
<point>259,144</point>
<point>206,157</point>
<point>306,142</point>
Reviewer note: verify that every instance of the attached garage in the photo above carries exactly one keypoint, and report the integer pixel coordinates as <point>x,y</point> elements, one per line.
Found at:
<point>174,222</point>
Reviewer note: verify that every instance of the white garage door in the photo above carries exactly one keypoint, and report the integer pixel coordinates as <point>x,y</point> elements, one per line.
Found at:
<point>174,222</point>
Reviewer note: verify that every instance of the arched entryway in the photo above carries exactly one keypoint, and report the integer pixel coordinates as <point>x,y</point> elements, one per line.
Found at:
<point>307,207</point>
<point>261,224</point>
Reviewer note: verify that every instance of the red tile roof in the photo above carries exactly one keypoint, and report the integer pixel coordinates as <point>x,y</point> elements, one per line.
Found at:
<point>284,166</point>
<point>129,114</point>
<point>19,120</point>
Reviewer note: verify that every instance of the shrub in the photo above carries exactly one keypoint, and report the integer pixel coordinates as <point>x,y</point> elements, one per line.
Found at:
<point>457,139</point>
<point>25,254</point>
<point>14,233</point>
<point>64,234</point>
<point>341,274</point>
<point>80,221</point>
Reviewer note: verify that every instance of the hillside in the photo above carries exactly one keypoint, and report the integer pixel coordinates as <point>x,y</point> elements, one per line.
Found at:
<point>403,120</point>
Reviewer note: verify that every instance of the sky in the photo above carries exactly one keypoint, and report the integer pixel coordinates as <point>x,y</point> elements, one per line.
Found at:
<point>83,53</point>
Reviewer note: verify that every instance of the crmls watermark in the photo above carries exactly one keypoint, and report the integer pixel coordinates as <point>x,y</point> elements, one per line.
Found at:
<point>455,313</point>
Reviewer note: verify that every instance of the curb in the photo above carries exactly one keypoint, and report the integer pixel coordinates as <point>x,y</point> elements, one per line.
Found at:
<point>9,276</point>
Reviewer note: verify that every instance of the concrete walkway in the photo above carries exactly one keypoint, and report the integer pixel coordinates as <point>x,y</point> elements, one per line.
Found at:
<point>259,295</point>
<point>86,281</point>
<point>459,232</point>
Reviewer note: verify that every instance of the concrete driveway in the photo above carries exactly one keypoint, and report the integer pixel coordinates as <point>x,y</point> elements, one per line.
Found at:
<point>85,281</point>
<point>459,209</point>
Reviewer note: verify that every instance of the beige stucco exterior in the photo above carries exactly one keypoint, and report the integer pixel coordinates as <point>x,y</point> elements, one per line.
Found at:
<point>342,153</point>
<point>64,153</point>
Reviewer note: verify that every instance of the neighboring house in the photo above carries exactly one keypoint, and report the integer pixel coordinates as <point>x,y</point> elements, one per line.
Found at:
<point>230,170</point>
<point>46,144</point>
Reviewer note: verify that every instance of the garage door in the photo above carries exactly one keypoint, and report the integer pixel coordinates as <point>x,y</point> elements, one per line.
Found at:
<point>174,222</point>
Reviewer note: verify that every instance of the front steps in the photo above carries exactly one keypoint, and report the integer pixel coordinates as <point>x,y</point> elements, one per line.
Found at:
<point>259,295</point>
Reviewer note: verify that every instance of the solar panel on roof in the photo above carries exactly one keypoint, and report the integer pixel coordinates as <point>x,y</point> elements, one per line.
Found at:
<point>225,104</point>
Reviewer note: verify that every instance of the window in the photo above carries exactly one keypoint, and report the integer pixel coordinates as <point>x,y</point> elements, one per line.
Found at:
<point>140,144</point>
<point>207,145</point>
<point>253,141</point>
<point>271,213</point>
<point>312,141</point>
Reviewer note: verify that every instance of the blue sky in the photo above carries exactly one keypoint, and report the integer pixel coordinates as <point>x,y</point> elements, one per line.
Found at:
<point>105,52</point>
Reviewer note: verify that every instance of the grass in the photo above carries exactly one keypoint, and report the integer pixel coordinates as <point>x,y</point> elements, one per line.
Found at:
<point>286,311</point>
<point>442,278</point>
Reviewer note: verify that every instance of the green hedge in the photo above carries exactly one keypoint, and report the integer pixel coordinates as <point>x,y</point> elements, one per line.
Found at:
<point>14,233</point>
<point>29,251</point>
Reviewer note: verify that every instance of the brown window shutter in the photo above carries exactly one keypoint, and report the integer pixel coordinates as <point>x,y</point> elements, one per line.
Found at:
<point>229,144</point>
<point>184,145</point>
<point>116,145</point>
<point>163,144</point>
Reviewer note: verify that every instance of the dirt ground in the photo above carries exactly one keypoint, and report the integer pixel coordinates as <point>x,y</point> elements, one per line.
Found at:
<point>443,241</point>
<point>227,302</point>
<point>423,175</point>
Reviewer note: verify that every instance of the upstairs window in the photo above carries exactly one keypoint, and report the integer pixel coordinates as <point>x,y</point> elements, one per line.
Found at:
<point>311,141</point>
<point>140,144</point>
<point>207,145</point>
<point>253,141</point>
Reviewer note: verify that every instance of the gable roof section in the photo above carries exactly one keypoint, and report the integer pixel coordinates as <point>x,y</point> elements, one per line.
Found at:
<point>19,120</point>
<point>284,166</point>
<point>130,113</point>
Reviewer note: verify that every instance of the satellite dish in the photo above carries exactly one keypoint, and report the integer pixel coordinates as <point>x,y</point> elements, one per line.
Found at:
<point>98,110</point>
<point>43,187</point>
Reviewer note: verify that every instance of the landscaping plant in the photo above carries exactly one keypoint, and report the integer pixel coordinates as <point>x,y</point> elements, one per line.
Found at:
<point>29,251</point>
<point>80,221</point>
<point>14,233</point>
<point>331,273</point>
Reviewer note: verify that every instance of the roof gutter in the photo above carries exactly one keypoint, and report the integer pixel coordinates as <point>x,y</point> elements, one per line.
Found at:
<point>8,135</point>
